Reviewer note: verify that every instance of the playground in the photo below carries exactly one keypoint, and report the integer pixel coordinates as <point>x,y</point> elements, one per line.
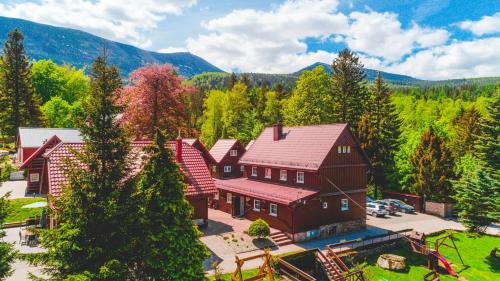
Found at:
<point>474,251</point>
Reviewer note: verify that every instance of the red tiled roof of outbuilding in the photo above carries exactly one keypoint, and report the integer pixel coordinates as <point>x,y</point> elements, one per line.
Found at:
<point>199,181</point>
<point>302,147</point>
<point>221,148</point>
<point>263,190</point>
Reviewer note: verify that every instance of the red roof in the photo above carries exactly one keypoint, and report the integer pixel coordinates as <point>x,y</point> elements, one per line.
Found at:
<point>47,145</point>
<point>303,147</point>
<point>263,190</point>
<point>199,181</point>
<point>221,148</point>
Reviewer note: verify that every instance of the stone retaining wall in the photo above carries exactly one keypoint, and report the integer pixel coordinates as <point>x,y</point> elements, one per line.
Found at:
<point>331,230</point>
<point>443,210</point>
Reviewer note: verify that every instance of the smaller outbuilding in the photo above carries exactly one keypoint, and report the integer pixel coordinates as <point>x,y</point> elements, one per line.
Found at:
<point>227,153</point>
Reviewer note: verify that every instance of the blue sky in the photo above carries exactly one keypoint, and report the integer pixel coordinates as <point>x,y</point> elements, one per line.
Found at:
<point>432,39</point>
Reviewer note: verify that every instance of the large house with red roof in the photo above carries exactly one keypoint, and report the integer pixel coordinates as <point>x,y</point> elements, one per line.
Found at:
<point>49,161</point>
<point>227,153</point>
<point>307,181</point>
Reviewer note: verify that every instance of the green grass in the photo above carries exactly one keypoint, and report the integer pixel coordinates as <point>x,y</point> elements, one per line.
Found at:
<point>17,214</point>
<point>474,251</point>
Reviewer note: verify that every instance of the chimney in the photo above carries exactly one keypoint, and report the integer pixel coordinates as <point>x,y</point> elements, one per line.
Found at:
<point>277,131</point>
<point>178,148</point>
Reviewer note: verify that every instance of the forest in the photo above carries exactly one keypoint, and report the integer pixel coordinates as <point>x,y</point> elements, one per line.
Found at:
<point>426,140</point>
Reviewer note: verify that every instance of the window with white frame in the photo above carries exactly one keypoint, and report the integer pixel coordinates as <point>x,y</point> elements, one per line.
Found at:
<point>233,152</point>
<point>273,209</point>
<point>254,171</point>
<point>35,177</point>
<point>339,149</point>
<point>214,168</point>
<point>344,149</point>
<point>325,205</point>
<point>300,177</point>
<point>282,175</point>
<point>256,205</point>
<point>229,198</point>
<point>348,149</point>
<point>242,168</point>
<point>227,169</point>
<point>344,205</point>
<point>268,173</point>
<point>216,196</point>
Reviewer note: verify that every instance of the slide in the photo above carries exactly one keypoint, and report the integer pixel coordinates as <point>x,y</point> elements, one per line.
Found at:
<point>445,263</point>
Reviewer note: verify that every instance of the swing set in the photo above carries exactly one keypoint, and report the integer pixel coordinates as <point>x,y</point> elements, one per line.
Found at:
<point>265,270</point>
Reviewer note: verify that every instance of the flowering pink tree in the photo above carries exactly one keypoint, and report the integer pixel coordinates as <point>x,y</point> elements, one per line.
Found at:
<point>155,99</point>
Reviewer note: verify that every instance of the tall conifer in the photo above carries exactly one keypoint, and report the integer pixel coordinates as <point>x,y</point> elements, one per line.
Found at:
<point>349,90</point>
<point>19,104</point>
<point>96,208</point>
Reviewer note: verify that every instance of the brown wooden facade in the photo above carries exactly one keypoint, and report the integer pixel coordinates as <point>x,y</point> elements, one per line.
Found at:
<point>219,169</point>
<point>343,171</point>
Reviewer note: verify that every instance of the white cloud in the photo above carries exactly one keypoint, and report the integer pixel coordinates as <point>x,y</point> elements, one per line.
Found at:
<point>120,20</point>
<point>269,41</point>
<point>172,50</point>
<point>486,25</point>
<point>381,35</point>
<point>467,59</point>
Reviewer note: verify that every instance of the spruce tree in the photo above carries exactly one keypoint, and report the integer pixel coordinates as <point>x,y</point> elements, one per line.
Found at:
<point>487,145</point>
<point>96,209</point>
<point>19,104</point>
<point>349,90</point>
<point>467,131</point>
<point>7,252</point>
<point>432,168</point>
<point>171,248</point>
<point>378,132</point>
<point>478,200</point>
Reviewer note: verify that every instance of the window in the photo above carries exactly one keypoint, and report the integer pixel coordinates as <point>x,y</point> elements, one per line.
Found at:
<point>254,171</point>
<point>339,149</point>
<point>227,169</point>
<point>344,149</point>
<point>268,173</point>
<point>216,196</point>
<point>300,177</point>
<point>35,177</point>
<point>348,149</point>
<point>233,152</point>
<point>242,168</point>
<point>273,209</point>
<point>229,199</point>
<point>214,168</point>
<point>256,205</point>
<point>325,205</point>
<point>283,175</point>
<point>344,205</point>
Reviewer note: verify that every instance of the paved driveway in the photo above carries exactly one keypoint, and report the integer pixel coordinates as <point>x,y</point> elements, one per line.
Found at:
<point>16,189</point>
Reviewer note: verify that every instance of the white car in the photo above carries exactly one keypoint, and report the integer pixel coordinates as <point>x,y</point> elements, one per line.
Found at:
<point>376,210</point>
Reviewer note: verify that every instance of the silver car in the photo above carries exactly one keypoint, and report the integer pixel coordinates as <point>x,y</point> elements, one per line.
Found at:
<point>376,210</point>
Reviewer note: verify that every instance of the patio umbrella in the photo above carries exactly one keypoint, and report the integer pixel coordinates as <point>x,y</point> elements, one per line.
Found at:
<point>35,205</point>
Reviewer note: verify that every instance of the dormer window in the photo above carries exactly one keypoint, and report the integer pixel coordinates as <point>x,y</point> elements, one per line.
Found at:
<point>282,175</point>
<point>268,173</point>
<point>233,152</point>
<point>254,171</point>
<point>300,177</point>
<point>339,149</point>
<point>343,149</point>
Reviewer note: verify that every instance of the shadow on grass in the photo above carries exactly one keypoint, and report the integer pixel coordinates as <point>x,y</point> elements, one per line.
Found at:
<point>493,263</point>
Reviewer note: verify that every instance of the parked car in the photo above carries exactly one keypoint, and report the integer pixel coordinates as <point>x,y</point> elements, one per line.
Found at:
<point>376,210</point>
<point>401,206</point>
<point>388,206</point>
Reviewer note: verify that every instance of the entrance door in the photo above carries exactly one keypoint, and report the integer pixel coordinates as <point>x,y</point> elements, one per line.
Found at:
<point>238,206</point>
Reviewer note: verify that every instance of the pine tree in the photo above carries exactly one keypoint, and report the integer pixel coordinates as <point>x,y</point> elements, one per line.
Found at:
<point>478,200</point>
<point>348,85</point>
<point>378,132</point>
<point>7,253</point>
<point>96,210</point>
<point>432,168</point>
<point>19,104</point>
<point>468,128</point>
<point>233,79</point>
<point>171,247</point>
<point>488,139</point>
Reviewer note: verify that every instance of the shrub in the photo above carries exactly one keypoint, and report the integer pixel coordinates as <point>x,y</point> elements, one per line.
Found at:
<point>259,229</point>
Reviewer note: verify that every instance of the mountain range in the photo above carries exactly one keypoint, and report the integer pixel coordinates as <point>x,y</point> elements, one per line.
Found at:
<point>79,48</point>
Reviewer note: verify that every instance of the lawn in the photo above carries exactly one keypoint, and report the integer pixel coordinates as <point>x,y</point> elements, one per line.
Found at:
<point>474,251</point>
<point>17,214</point>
